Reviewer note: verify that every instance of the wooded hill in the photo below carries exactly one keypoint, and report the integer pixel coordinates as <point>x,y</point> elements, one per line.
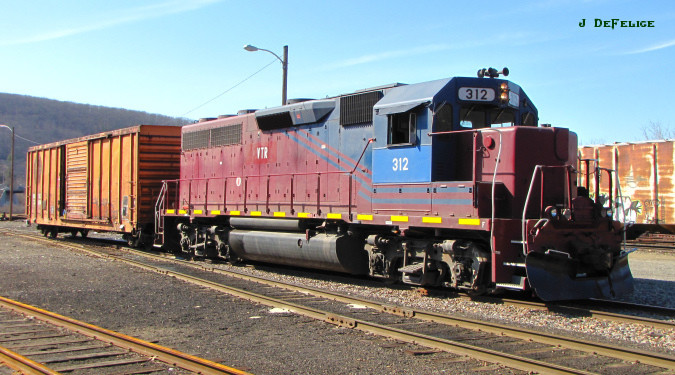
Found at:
<point>44,120</point>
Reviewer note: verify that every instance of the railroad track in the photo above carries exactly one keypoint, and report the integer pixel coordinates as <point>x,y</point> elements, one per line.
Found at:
<point>517,348</point>
<point>654,241</point>
<point>35,341</point>
<point>592,308</point>
<point>589,308</point>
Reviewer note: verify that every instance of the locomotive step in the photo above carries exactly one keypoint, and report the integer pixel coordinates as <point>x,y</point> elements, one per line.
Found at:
<point>411,268</point>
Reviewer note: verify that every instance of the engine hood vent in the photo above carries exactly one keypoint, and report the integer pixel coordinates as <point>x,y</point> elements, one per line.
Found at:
<point>296,114</point>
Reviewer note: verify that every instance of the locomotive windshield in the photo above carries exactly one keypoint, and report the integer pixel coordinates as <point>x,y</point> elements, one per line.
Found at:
<point>475,117</point>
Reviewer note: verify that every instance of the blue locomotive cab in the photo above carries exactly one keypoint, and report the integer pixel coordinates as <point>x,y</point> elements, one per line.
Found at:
<point>408,116</point>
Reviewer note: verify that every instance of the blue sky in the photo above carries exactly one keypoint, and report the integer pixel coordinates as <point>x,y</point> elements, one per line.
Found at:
<point>172,56</point>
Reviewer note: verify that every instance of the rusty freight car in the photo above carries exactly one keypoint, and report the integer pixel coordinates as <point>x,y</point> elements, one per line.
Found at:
<point>645,193</point>
<point>104,182</point>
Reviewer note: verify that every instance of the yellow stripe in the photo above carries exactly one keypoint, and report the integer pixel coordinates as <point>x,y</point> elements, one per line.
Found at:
<point>170,211</point>
<point>469,221</point>
<point>280,214</point>
<point>215,212</point>
<point>400,218</point>
<point>334,216</point>
<point>364,217</point>
<point>256,213</point>
<point>432,220</point>
<point>303,214</point>
<point>198,212</point>
<point>235,213</point>
<point>182,211</point>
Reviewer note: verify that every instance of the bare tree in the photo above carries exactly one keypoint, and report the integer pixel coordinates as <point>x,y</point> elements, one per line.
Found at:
<point>592,141</point>
<point>656,131</point>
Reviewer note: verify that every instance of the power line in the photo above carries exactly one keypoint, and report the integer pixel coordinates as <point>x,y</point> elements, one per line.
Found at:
<point>26,139</point>
<point>18,136</point>
<point>228,90</point>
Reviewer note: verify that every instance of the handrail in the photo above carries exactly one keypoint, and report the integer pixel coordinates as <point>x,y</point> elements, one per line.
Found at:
<point>268,176</point>
<point>492,193</point>
<point>539,168</point>
<point>370,140</point>
<point>254,176</point>
<point>159,205</point>
<point>527,201</point>
<point>245,182</point>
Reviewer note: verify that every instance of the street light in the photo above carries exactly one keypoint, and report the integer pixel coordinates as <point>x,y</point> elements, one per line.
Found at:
<point>11,175</point>
<point>284,66</point>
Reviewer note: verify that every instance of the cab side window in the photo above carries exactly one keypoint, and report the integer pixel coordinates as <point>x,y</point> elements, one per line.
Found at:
<point>443,118</point>
<point>402,128</point>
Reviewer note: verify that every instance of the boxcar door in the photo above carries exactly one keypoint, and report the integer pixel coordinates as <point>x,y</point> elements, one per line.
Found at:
<point>77,186</point>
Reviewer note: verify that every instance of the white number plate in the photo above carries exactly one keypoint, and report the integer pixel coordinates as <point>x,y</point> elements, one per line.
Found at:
<point>478,94</point>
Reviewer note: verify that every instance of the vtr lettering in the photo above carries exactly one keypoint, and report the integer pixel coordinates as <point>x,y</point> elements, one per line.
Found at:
<point>262,152</point>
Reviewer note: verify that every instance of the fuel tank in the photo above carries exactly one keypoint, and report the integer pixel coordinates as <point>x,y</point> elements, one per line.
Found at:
<point>341,253</point>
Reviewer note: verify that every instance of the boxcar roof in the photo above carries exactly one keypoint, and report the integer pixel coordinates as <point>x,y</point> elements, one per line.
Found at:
<point>106,134</point>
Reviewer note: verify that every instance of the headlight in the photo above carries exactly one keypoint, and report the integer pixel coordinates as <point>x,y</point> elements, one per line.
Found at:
<point>610,213</point>
<point>504,88</point>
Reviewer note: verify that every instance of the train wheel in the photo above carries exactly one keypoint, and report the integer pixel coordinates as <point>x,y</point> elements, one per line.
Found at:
<point>84,233</point>
<point>133,241</point>
<point>73,233</point>
<point>54,232</point>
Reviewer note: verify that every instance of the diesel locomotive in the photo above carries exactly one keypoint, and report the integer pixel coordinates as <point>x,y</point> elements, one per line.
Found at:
<point>444,183</point>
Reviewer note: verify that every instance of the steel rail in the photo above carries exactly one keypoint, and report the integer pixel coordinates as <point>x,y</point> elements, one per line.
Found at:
<point>547,306</point>
<point>666,311</point>
<point>635,355</point>
<point>488,355</point>
<point>167,355</point>
<point>22,364</point>
<point>589,312</point>
<point>653,245</point>
<point>655,359</point>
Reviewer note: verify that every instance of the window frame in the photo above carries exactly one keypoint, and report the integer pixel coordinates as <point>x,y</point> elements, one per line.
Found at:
<point>393,119</point>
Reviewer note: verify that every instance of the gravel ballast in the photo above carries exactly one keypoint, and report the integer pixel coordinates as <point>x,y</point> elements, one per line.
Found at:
<point>202,322</point>
<point>247,335</point>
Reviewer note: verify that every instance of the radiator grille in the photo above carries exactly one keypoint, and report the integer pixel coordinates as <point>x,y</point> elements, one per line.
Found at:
<point>195,140</point>
<point>227,135</point>
<point>358,109</point>
<point>223,136</point>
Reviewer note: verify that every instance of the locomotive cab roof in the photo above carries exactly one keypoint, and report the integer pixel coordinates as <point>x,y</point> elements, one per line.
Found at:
<point>476,102</point>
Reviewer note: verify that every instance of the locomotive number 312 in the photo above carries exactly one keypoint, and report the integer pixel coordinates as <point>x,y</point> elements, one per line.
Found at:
<point>400,164</point>
<point>479,94</point>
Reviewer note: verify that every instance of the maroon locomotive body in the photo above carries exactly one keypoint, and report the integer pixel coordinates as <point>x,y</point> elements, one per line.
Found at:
<point>449,182</point>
